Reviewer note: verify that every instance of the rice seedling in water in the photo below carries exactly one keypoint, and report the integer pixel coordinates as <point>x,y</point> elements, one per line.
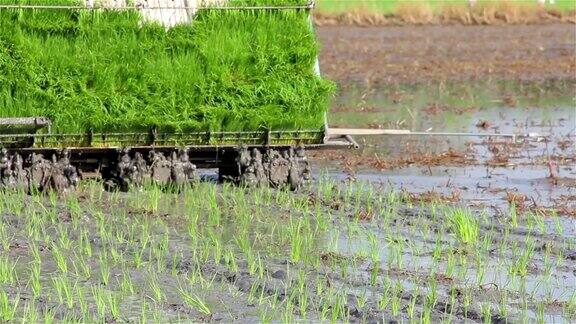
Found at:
<point>81,301</point>
<point>30,314</point>
<point>84,243</point>
<point>570,308</point>
<point>7,270</point>
<point>194,301</point>
<point>297,240</point>
<point>60,258</point>
<point>8,308</point>
<point>486,313</point>
<point>99,295</point>
<point>513,215</point>
<point>158,295</point>
<point>104,269</point>
<point>114,300</point>
<point>34,281</point>
<point>463,225</point>
<point>65,289</point>
<point>126,285</point>
<point>4,237</point>
<point>540,311</point>
<point>519,265</point>
<point>412,306</point>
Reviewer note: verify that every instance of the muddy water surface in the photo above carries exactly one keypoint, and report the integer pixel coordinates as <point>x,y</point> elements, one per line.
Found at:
<point>489,171</point>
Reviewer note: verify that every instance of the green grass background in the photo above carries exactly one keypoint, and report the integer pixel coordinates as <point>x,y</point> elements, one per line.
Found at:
<point>389,6</point>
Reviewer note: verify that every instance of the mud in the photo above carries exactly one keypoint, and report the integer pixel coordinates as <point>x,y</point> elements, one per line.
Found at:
<point>136,171</point>
<point>286,168</point>
<point>424,54</point>
<point>275,168</point>
<point>39,174</point>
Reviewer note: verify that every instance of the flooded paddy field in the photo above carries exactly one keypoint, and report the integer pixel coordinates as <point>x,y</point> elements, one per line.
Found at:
<point>536,172</point>
<point>407,229</point>
<point>332,252</point>
<point>459,79</point>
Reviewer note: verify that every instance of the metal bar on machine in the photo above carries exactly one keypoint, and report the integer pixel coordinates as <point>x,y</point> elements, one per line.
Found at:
<point>372,132</point>
<point>24,121</point>
<point>30,122</point>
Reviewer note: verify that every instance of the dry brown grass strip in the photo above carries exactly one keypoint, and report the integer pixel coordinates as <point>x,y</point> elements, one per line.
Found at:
<point>500,13</point>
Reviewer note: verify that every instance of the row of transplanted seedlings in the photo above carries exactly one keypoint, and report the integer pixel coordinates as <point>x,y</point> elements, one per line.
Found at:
<point>95,255</point>
<point>470,250</point>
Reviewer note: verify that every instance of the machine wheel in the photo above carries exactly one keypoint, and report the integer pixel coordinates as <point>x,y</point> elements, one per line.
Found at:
<point>275,168</point>
<point>37,174</point>
<point>133,170</point>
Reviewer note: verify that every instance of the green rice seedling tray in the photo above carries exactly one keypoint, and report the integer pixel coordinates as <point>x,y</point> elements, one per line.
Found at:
<point>107,70</point>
